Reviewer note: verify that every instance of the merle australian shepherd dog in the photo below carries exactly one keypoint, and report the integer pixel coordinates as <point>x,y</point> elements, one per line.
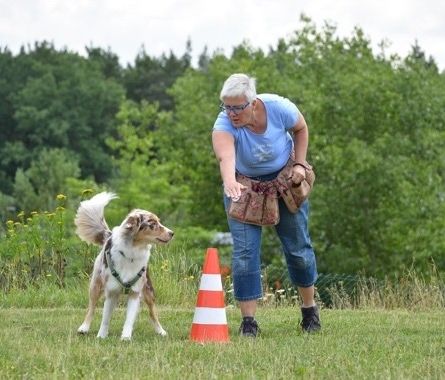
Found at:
<point>122,263</point>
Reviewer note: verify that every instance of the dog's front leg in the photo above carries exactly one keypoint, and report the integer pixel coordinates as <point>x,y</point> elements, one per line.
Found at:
<point>132,312</point>
<point>111,300</point>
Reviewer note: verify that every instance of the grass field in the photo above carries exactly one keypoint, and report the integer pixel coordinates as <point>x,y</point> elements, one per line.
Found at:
<point>354,344</point>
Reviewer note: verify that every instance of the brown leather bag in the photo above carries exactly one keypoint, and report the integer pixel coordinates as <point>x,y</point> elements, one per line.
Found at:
<point>258,203</point>
<point>294,194</point>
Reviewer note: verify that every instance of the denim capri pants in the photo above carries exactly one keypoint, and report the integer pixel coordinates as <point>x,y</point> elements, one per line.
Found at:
<point>296,244</point>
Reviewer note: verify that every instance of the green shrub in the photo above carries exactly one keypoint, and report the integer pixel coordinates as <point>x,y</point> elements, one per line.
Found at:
<point>35,247</point>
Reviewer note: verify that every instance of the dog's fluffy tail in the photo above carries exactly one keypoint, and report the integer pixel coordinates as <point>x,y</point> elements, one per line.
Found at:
<point>90,220</point>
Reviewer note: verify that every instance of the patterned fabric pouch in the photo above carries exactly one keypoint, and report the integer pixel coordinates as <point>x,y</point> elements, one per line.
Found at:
<point>294,194</point>
<point>258,203</point>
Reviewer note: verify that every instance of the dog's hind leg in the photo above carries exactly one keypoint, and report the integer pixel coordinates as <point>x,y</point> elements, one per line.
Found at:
<point>149,298</point>
<point>95,292</point>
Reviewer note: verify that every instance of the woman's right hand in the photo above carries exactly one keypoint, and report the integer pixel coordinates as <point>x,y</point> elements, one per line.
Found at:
<point>233,190</point>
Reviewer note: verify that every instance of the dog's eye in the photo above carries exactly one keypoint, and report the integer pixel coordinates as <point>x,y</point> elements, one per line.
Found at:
<point>152,224</point>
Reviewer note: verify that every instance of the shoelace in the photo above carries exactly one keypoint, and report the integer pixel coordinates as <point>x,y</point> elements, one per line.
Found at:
<point>250,328</point>
<point>309,321</point>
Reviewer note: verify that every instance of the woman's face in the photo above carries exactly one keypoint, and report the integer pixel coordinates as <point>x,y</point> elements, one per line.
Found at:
<point>238,109</point>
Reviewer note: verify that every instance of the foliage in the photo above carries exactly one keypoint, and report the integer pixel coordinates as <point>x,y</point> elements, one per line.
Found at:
<point>55,99</point>
<point>376,122</point>
<point>6,204</point>
<point>377,144</point>
<point>34,188</point>
<point>35,248</point>
<point>151,77</point>
<point>146,177</point>
<point>380,147</point>
<point>107,61</point>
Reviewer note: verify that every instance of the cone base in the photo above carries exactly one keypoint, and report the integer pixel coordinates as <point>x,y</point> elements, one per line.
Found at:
<point>209,333</point>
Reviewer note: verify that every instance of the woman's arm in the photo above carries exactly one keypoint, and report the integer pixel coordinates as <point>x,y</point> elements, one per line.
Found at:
<point>301,139</point>
<point>301,142</point>
<point>224,148</point>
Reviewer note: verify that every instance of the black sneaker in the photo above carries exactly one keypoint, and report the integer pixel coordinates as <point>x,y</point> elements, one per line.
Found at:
<point>249,327</point>
<point>311,319</point>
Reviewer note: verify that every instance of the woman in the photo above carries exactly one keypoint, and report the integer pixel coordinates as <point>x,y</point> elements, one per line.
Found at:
<point>252,137</point>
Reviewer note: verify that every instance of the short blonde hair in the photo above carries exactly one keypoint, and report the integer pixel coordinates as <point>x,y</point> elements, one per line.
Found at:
<point>239,85</point>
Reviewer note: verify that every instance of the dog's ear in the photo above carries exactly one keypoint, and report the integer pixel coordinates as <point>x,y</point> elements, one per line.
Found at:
<point>132,223</point>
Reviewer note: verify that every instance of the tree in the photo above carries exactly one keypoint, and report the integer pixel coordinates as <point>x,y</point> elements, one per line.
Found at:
<point>35,189</point>
<point>107,62</point>
<point>377,133</point>
<point>151,77</point>
<point>56,99</point>
<point>145,177</point>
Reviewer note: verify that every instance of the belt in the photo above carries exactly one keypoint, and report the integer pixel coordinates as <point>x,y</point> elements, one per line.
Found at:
<point>264,177</point>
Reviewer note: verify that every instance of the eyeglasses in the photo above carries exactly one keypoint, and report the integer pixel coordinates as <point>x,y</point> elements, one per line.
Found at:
<point>235,109</point>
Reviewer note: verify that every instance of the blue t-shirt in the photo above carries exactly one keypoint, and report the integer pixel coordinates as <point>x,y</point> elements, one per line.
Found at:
<point>260,154</point>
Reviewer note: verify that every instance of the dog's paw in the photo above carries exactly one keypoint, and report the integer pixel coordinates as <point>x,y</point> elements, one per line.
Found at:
<point>161,332</point>
<point>102,335</point>
<point>83,329</point>
<point>126,338</point>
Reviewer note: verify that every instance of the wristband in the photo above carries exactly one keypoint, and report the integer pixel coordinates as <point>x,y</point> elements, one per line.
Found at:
<point>301,164</point>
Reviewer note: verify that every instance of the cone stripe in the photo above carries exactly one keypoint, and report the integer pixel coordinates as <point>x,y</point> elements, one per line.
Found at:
<point>208,298</point>
<point>211,282</point>
<point>209,333</point>
<point>210,316</point>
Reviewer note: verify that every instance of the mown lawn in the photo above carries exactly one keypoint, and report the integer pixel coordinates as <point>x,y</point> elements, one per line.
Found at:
<point>354,344</point>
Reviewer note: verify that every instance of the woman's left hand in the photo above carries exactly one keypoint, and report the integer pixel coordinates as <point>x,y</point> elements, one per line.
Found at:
<point>298,174</point>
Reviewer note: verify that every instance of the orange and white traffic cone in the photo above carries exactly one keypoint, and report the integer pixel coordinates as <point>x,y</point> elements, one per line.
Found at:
<point>210,321</point>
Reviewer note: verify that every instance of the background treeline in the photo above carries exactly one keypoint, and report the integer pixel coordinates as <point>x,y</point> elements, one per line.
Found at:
<point>377,140</point>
